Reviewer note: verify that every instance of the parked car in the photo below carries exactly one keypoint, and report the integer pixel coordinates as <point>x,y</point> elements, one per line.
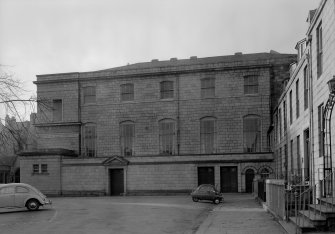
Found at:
<point>17,195</point>
<point>207,192</point>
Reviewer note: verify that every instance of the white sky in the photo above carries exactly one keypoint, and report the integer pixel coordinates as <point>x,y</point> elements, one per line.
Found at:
<point>56,36</point>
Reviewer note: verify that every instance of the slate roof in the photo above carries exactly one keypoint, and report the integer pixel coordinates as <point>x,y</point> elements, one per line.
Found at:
<point>206,60</point>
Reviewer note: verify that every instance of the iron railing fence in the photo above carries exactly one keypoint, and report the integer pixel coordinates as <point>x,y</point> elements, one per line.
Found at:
<point>306,203</point>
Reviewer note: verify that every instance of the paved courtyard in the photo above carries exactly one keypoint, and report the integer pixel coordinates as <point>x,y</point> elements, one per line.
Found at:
<point>143,214</point>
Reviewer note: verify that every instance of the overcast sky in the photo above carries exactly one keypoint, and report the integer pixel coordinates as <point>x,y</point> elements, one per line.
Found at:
<point>56,36</point>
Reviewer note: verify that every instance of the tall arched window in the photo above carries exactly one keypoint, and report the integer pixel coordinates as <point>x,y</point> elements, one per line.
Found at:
<point>208,135</point>
<point>89,139</point>
<point>252,133</point>
<point>167,137</point>
<point>127,133</point>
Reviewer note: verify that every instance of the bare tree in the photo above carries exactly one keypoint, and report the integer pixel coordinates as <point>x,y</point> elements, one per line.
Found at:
<point>15,131</point>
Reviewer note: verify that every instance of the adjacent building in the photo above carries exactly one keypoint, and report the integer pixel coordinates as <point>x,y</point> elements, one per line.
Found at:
<point>157,127</point>
<point>303,134</point>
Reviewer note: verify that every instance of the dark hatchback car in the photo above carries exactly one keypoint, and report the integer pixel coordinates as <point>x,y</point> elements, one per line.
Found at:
<point>207,192</point>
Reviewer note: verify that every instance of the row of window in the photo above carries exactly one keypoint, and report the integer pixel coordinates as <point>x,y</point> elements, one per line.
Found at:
<point>287,157</point>
<point>168,135</point>
<point>40,168</point>
<point>281,119</point>
<point>166,92</point>
<point>167,89</point>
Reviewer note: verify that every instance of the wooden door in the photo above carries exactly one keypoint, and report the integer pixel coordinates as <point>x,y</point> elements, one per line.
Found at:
<point>228,177</point>
<point>116,178</point>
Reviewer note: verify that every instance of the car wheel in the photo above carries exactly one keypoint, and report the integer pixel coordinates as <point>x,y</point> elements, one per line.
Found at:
<point>216,201</point>
<point>32,204</point>
<point>195,199</point>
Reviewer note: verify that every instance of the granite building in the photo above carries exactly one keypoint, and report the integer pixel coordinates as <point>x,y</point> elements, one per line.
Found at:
<point>157,127</point>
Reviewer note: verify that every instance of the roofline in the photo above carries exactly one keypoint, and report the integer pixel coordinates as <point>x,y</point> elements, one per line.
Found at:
<point>316,16</point>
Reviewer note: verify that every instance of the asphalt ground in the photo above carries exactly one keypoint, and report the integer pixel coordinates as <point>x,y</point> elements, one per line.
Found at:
<point>239,213</point>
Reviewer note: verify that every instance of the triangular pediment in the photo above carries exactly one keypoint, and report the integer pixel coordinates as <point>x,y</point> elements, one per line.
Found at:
<point>115,160</point>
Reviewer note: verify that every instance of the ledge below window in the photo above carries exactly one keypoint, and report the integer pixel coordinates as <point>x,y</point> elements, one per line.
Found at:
<point>57,124</point>
<point>40,173</point>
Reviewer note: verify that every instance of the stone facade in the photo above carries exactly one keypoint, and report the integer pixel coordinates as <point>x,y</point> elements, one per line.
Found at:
<point>146,170</point>
<point>308,162</point>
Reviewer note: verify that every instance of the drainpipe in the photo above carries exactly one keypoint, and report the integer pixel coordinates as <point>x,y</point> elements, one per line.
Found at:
<point>79,114</point>
<point>311,117</point>
<point>178,114</point>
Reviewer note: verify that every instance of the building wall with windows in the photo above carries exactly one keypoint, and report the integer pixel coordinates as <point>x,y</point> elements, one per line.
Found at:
<point>199,119</point>
<point>315,67</point>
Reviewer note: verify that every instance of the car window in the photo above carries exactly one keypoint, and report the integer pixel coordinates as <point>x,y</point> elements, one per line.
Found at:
<point>205,188</point>
<point>20,189</point>
<point>7,190</point>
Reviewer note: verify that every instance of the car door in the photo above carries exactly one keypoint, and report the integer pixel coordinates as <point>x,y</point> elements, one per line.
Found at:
<point>21,195</point>
<point>205,192</point>
<point>7,196</point>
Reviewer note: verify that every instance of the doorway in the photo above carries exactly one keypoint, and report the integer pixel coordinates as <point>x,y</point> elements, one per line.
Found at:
<point>249,178</point>
<point>206,175</point>
<point>228,177</point>
<point>116,181</point>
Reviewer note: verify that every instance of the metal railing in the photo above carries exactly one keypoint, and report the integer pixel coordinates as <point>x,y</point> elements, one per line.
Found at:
<point>306,203</point>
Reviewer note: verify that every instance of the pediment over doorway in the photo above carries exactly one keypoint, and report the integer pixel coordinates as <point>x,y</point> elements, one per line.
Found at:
<point>115,160</point>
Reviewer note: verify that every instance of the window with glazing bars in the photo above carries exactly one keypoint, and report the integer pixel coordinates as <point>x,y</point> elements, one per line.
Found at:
<point>306,88</point>
<point>90,140</point>
<point>127,92</point>
<point>250,85</point>
<point>127,133</point>
<point>320,129</point>
<point>319,49</point>
<point>166,89</point>
<point>297,102</point>
<point>167,137</point>
<point>57,110</point>
<point>251,134</point>
<point>207,87</point>
<point>285,116</point>
<point>89,94</point>
<point>207,135</point>
<point>291,109</point>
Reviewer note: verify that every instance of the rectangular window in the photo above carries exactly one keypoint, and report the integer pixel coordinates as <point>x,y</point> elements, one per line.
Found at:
<point>127,133</point>
<point>207,135</point>
<point>251,134</point>
<point>320,129</point>
<point>286,161</point>
<point>57,110</point>
<point>166,89</point>
<point>306,88</point>
<point>250,85</point>
<point>285,116</point>
<point>36,168</point>
<point>207,87</point>
<point>127,92</point>
<point>291,109</point>
<point>291,154</point>
<point>89,140</point>
<point>166,137</point>
<point>297,102</point>
<point>89,94</point>
<point>280,124</point>
<point>44,168</point>
<point>319,49</point>
<point>298,155</point>
<point>280,163</point>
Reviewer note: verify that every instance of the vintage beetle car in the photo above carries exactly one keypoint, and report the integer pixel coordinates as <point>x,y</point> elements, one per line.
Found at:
<point>19,195</point>
<point>207,192</point>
